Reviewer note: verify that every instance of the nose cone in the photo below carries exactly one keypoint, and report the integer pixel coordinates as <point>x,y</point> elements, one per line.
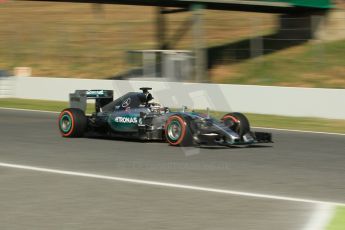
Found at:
<point>232,137</point>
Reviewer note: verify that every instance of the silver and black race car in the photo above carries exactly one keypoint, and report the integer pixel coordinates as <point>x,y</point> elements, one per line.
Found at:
<point>134,116</point>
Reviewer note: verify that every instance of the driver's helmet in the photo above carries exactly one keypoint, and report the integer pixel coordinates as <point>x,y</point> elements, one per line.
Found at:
<point>158,108</point>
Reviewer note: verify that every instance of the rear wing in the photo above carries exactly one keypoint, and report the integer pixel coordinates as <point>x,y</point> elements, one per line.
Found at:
<point>79,98</point>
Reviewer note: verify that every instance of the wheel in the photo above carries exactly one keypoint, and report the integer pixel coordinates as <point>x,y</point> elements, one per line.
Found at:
<point>237,122</point>
<point>72,122</point>
<point>178,132</point>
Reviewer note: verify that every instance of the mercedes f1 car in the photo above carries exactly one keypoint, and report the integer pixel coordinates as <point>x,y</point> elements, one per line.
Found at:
<point>134,116</point>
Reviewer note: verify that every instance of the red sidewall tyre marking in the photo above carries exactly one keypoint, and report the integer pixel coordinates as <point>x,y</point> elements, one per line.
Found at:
<point>72,123</point>
<point>231,117</point>
<point>183,132</point>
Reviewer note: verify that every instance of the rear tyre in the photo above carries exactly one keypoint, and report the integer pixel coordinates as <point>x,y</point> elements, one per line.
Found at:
<point>72,122</point>
<point>178,131</point>
<point>237,122</point>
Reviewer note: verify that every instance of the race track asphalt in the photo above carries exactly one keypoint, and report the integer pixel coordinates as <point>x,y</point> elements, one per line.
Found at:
<point>302,165</point>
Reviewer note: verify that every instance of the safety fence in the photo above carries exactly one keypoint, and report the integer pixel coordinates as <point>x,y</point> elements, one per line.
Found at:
<point>7,87</point>
<point>288,101</point>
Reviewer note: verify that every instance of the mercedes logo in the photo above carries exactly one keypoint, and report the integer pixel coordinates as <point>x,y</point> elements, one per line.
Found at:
<point>126,102</point>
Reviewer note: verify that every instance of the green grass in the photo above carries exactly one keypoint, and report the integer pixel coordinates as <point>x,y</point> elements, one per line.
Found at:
<point>299,123</point>
<point>312,65</point>
<point>54,106</point>
<point>82,42</point>
<point>338,221</point>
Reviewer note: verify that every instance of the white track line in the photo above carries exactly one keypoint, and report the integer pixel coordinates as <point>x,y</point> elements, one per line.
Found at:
<point>170,185</point>
<point>300,131</point>
<point>321,217</point>
<point>29,110</point>
<point>285,130</point>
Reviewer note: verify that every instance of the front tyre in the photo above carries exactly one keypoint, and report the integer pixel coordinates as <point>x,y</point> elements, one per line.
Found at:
<point>178,132</point>
<point>72,123</point>
<point>237,122</point>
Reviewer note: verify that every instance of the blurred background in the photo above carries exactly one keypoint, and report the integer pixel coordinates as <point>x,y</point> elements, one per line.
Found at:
<point>52,47</point>
<point>83,40</point>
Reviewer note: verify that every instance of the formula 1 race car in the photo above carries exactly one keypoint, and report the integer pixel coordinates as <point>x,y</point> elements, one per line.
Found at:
<point>134,116</point>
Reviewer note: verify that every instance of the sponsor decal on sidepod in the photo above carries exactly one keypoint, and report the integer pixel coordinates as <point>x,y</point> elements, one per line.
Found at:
<point>126,120</point>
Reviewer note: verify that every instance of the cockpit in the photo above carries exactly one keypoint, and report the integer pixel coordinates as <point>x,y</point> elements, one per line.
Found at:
<point>134,100</point>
